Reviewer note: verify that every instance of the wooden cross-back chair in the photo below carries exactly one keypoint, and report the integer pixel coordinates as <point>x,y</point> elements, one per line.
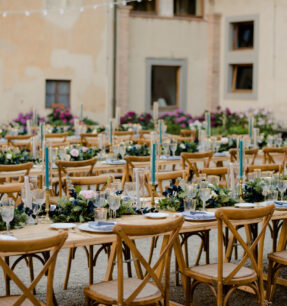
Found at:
<point>138,291</point>
<point>130,165</point>
<point>124,133</point>
<point>144,132</point>
<point>13,190</point>
<point>55,138</point>
<point>74,168</point>
<point>99,180</point>
<point>89,139</point>
<point>173,176</point>
<point>269,167</point>
<point>250,154</point>
<point>190,161</point>
<point>188,133</point>
<point>16,172</point>
<point>143,141</point>
<point>226,275</point>
<point>271,154</point>
<point>221,172</point>
<point>30,247</point>
<point>19,141</point>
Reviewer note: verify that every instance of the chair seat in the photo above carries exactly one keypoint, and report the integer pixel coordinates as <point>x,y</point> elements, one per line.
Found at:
<point>11,300</point>
<point>209,272</point>
<point>278,256</point>
<point>107,292</point>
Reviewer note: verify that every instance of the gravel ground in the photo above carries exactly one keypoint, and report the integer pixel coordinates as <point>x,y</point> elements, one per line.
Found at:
<point>79,278</point>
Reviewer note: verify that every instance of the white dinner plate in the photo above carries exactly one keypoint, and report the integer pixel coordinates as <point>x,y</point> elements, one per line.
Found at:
<point>63,225</point>
<point>7,237</point>
<point>156,215</point>
<point>244,205</point>
<point>101,229</point>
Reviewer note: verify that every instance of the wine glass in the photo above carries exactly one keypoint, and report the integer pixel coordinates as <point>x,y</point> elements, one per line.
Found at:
<point>282,186</point>
<point>265,186</point>
<point>114,204</point>
<point>7,208</point>
<point>173,147</point>
<point>204,194</point>
<point>166,148</point>
<point>38,198</point>
<point>122,150</point>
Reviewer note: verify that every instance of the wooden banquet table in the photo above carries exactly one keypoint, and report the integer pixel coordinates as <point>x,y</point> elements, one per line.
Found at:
<point>78,238</point>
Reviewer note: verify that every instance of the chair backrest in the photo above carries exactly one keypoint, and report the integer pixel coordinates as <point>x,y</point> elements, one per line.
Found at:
<point>270,153</point>
<point>19,141</point>
<point>143,132</point>
<point>165,176</point>
<point>250,155</point>
<point>67,167</point>
<point>16,171</point>
<point>188,133</point>
<point>124,133</point>
<point>130,165</point>
<point>191,160</point>
<point>87,137</point>
<point>23,247</point>
<point>55,137</point>
<point>268,167</point>
<point>143,141</point>
<point>225,216</point>
<point>13,190</point>
<point>219,171</point>
<point>152,272</point>
<point>103,180</point>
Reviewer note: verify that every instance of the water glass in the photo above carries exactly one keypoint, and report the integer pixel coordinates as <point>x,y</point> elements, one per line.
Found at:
<point>130,188</point>
<point>204,194</point>
<point>114,203</point>
<point>7,208</point>
<point>189,204</point>
<point>166,148</point>
<point>100,200</point>
<point>282,186</point>
<point>100,214</point>
<point>38,199</point>
<point>272,195</point>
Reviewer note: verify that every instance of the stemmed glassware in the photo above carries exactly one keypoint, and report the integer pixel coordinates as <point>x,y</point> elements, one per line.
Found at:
<point>173,147</point>
<point>130,188</point>
<point>204,194</point>
<point>38,199</point>
<point>266,182</point>
<point>282,186</point>
<point>166,148</point>
<point>114,203</point>
<point>7,208</point>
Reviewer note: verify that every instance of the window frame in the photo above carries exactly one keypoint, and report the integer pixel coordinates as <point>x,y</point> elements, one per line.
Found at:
<point>181,79</point>
<point>234,78</point>
<point>190,15</point>
<point>144,13</point>
<point>235,35</point>
<point>57,81</point>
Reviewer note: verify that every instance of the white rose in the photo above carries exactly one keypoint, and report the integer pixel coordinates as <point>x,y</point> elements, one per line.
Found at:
<point>224,140</point>
<point>8,156</point>
<point>182,146</point>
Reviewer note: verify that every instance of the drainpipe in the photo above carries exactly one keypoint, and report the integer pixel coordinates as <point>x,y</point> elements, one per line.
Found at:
<point>114,102</point>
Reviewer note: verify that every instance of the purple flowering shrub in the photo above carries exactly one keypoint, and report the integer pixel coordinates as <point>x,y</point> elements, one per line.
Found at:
<point>22,119</point>
<point>144,119</point>
<point>61,117</point>
<point>176,121</point>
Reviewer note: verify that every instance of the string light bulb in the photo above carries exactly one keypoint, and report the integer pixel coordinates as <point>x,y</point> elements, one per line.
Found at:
<point>111,5</point>
<point>27,13</point>
<point>62,11</point>
<point>81,10</point>
<point>95,7</point>
<point>124,2</point>
<point>45,13</point>
<point>4,14</point>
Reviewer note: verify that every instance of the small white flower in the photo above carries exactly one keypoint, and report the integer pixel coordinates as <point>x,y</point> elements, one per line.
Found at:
<point>224,140</point>
<point>213,194</point>
<point>8,155</point>
<point>74,152</point>
<point>182,146</point>
<point>71,199</point>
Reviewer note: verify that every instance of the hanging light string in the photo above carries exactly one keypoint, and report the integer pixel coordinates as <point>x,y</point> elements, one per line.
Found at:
<point>81,8</point>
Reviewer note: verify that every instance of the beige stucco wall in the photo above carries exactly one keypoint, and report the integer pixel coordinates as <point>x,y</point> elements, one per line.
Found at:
<point>72,47</point>
<point>168,39</point>
<point>272,60</point>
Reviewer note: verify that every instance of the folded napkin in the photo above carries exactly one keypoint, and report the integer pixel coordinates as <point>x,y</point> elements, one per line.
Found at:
<point>115,162</point>
<point>281,204</point>
<point>102,225</point>
<point>218,154</point>
<point>170,157</point>
<point>198,215</point>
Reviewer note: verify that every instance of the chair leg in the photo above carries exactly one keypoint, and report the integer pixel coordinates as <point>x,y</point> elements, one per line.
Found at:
<point>31,270</point>
<point>269,280</point>
<point>71,256</point>
<point>187,292</point>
